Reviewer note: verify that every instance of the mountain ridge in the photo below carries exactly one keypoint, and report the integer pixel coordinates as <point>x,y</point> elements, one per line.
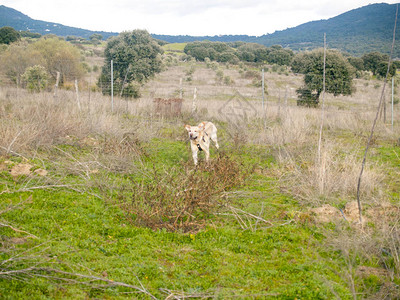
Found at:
<point>358,31</point>
<point>21,22</point>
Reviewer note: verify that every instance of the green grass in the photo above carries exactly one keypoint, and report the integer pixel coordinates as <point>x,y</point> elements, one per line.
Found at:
<point>176,48</point>
<point>81,233</point>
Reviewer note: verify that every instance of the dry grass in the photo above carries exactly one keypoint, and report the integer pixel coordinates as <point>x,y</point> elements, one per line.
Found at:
<point>34,121</point>
<point>180,198</point>
<point>176,199</point>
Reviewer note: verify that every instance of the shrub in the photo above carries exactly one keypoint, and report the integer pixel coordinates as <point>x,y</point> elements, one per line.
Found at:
<point>180,199</point>
<point>35,78</point>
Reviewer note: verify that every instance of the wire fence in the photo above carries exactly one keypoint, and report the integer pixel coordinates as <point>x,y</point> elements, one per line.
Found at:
<point>276,98</point>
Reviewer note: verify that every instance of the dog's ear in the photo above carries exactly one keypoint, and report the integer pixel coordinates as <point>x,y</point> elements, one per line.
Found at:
<point>202,125</point>
<point>187,127</point>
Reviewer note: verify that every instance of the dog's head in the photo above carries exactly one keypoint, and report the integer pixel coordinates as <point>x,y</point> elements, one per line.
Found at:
<point>194,131</point>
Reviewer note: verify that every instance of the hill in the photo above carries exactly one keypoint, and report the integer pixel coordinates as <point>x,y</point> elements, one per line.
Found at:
<point>366,29</point>
<point>362,30</point>
<point>19,21</point>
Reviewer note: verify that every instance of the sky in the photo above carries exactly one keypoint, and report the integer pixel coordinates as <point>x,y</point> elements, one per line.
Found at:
<point>186,17</point>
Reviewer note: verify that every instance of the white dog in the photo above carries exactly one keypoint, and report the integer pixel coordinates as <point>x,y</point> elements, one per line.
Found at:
<point>200,137</point>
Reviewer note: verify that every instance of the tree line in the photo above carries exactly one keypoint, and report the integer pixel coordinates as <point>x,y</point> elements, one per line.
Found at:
<point>234,52</point>
<point>137,57</point>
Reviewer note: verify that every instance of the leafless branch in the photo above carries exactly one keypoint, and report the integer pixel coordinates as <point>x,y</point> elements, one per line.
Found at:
<point>17,230</point>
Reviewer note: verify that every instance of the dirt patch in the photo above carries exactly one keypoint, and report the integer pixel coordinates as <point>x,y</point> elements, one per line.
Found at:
<point>326,213</point>
<point>364,272</point>
<point>383,213</point>
<point>351,212</point>
<point>41,172</point>
<point>21,169</point>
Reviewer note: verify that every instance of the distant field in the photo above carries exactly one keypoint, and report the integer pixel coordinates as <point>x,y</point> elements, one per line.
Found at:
<point>176,48</point>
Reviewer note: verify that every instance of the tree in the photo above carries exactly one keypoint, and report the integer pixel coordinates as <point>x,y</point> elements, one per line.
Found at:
<point>373,60</point>
<point>252,52</point>
<point>54,54</point>
<point>228,57</point>
<point>35,78</point>
<point>9,35</point>
<point>16,59</point>
<point>356,62</point>
<point>136,58</point>
<point>95,38</point>
<point>206,49</point>
<point>280,57</point>
<point>59,56</point>
<point>377,63</point>
<point>339,75</point>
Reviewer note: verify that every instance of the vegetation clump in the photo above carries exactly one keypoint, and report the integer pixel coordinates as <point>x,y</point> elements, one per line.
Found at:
<point>136,58</point>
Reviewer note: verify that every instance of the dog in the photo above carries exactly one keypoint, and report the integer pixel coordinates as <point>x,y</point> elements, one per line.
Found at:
<point>200,137</point>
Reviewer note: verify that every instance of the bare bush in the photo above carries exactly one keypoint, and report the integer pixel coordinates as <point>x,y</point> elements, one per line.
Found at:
<point>178,198</point>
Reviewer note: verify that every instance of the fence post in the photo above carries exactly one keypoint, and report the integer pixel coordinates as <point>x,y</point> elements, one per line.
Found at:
<point>112,86</point>
<point>323,103</point>
<point>262,91</point>
<point>56,85</point>
<point>194,104</point>
<point>180,88</point>
<point>77,94</point>
<point>392,100</point>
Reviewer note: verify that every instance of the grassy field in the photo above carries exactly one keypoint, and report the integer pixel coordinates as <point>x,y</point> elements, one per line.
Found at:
<point>102,204</point>
<point>175,48</point>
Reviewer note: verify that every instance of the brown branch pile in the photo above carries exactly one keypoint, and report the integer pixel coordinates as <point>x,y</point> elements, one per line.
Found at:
<point>182,199</point>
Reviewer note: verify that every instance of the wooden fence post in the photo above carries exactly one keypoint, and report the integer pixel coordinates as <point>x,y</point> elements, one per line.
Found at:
<point>56,85</point>
<point>77,94</point>
<point>194,103</point>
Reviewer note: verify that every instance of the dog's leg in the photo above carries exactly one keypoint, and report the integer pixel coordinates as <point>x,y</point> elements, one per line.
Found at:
<point>207,153</point>
<point>214,138</point>
<point>194,153</point>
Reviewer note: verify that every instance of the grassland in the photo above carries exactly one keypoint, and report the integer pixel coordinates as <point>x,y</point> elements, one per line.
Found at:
<point>174,48</point>
<point>106,204</point>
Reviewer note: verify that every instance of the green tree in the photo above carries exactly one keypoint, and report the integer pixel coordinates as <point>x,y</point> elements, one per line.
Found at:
<point>377,63</point>
<point>35,78</point>
<point>339,75</point>
<point>372,61</point>
<point>201,50</point>
<point>136,58</point>
<point>280,57</point>
<point>382,69</point>
<point>251,52</point>
<point>228,57</point>
<point>9,35</point>
<point>356,62</point>
<point>95,38</point>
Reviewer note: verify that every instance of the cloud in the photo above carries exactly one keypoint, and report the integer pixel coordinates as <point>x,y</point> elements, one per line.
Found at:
<point>174,17</point>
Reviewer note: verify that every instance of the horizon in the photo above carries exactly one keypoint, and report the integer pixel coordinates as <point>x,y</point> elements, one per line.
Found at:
<point>245,11</point>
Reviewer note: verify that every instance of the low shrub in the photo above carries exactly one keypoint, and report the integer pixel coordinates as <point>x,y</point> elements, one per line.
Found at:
<point>181,198</point>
